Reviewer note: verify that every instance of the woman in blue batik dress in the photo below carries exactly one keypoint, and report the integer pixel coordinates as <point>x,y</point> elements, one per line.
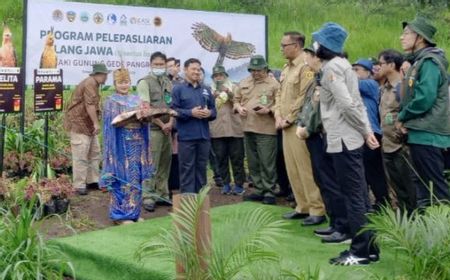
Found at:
<point>126,156</point>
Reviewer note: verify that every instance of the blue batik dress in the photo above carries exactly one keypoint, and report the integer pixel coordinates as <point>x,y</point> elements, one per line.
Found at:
<point>126,158</point>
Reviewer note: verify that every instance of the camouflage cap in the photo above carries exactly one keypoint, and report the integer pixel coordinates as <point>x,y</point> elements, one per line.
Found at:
<point>99,68</point>
<point>257,62</point>
<point>218,69</point>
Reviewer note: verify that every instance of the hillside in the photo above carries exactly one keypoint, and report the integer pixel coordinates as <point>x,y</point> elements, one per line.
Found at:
<point>373,25</point>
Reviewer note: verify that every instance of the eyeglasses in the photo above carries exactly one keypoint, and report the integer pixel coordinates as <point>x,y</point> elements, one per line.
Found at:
<point>285,45</point>
<point>407,32</point>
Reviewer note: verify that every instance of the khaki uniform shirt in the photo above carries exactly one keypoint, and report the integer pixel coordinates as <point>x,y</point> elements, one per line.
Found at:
<point>228,122</point>
<point>76,117</point>
<point>389,109</point>
<point>251,94</point>
<point>295,79</point>
<point>344,116</point>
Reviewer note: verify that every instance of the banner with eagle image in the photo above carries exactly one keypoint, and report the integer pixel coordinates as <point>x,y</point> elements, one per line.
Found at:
<point>73,36</point>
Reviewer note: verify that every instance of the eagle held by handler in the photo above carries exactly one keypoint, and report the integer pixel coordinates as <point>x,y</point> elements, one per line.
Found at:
<point>212,41</point>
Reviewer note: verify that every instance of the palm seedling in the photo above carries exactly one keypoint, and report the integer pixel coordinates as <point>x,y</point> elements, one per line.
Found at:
<point>244,241</point>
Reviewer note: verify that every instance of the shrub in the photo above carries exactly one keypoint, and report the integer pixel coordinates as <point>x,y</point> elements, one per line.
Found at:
<point>423,240</point>
<point>23,252</point>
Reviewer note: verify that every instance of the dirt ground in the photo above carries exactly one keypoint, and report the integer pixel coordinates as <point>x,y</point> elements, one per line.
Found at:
<point>90,212</point>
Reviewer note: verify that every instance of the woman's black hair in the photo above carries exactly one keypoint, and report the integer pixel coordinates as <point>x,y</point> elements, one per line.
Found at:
<point>325,54</point>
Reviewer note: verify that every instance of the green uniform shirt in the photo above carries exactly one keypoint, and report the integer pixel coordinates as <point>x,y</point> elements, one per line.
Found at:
<point>425,94</point>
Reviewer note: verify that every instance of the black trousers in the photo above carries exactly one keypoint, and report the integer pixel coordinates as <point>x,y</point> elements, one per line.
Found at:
<point>375,175</point>
<point>174,179</point>
<point>429,164</point>
<point>192,161</point>
<point>325,177</point>
<point>215,168</point>
<point>349,169</point>
<point>229,150</point>
<point>283,180</point>
<point>402,177</point>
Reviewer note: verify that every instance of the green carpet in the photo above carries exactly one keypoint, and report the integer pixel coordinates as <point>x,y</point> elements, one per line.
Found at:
<point>108,254</point>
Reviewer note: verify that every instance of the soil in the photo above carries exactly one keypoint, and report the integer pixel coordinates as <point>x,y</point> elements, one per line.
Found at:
<point>90,212</point>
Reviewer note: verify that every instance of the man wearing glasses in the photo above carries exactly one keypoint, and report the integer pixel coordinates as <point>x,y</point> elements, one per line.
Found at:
<point>295,79</point>
<point>424,113</point>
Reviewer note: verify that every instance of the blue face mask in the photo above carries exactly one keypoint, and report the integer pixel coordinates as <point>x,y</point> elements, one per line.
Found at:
<point>158,71</point>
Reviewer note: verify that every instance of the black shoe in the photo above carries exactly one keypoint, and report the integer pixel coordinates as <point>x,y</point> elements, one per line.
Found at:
<point>253,197</point>
<point>294,215</point>
<point>82,191</point>
<point>290,198</point>
<point>150,207</point>
<point>337,238</point>
<point>92,186</point>
<point>323,232</point>
<point>163,202</point>
<point>269,200</point>
<point>314,220</point>
<point>347,258</point>
<point>374,258</point>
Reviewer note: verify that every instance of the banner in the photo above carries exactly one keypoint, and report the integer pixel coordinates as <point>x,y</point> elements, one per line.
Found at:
<point>81,34</point>
<point>48,90</point>
<point>10,90</point>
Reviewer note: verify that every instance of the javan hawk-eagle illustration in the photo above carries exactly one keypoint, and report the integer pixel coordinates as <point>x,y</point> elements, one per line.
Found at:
<point>49,58</point>
<point>212,41</point>
<point>8,57</point>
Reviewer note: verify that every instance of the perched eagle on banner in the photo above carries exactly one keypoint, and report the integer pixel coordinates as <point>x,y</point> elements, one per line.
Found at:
<point>49,58</point>
<point>212,41</point>
<point>8,56</point>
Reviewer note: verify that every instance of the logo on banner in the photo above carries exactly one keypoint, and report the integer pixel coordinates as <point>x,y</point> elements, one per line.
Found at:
<point>157,21</point>
<point>123,20</point>
<point>98,18</point>
<point>84,16</point>
<point>140,21</point>
<point>112,19</point>
<point>71,15</point>
<point>57,15</point>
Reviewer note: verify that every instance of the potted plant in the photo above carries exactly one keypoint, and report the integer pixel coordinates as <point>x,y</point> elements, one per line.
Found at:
<point>54,194</point>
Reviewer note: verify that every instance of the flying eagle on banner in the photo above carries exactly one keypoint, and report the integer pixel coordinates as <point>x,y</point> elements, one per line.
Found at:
<point>212,41</point>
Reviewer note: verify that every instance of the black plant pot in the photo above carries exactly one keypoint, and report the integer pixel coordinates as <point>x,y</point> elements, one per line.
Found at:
<point>49,208</point>
<point>62,204</point>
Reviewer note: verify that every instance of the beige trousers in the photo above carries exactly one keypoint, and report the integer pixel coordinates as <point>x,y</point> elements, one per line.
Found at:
<point>298,166</point>
<point>85,159</point>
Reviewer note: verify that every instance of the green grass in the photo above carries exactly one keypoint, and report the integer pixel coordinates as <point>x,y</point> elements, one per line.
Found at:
<point>373,25</point>
<point>107,254</point>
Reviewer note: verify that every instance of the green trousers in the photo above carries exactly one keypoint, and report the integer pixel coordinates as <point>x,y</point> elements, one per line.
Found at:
<point>161,149</point>
<point>261,151</point>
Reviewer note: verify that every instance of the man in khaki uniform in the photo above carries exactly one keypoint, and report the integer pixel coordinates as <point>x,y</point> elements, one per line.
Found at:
<point>155,90</point>
<point>254,101</point>
<point>81,121</point>
<point>226,133</point>
<point>295,79</point>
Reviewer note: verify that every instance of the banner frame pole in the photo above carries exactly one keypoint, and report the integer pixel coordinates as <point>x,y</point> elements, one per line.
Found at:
<point>24,66</point>
<point>2,142</point>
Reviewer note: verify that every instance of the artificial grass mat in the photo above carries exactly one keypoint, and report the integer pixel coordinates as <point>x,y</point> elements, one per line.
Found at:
<point>109,253</point>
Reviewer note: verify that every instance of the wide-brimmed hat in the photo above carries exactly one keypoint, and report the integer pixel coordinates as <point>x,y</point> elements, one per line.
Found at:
<point>99,68</point>
<point>365,63</point>
<point>423,27</point>
<point>332,36</point>
<point>257,62</point>
<point>218,69</point>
